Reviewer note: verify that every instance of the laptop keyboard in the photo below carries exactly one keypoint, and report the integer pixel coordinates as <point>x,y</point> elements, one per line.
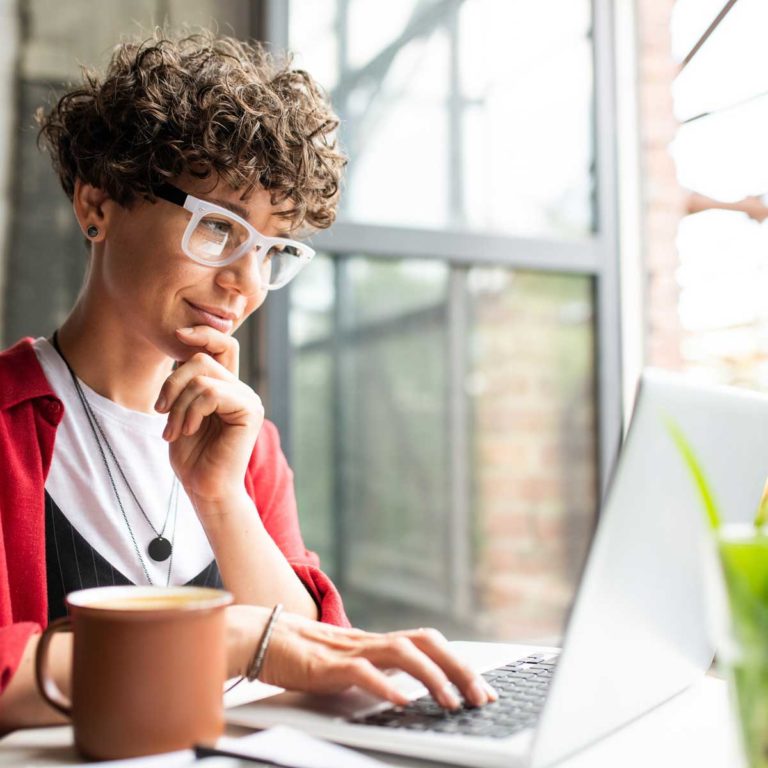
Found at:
<point>522,688</point>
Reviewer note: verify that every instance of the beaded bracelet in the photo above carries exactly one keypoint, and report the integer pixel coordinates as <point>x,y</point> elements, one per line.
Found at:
<point>254,668</point>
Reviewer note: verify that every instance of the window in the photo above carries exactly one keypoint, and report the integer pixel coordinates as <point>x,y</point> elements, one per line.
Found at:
<point>452,406</point>
<point>721,100</point>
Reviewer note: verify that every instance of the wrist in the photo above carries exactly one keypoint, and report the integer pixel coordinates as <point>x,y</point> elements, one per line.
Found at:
<point>228,505</point>
<point>245,626</point>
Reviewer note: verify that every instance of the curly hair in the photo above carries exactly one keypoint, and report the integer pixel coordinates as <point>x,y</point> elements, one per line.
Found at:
<point>205,105</point>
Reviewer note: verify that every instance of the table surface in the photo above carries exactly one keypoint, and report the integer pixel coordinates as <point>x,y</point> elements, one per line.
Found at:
<point>693,729</point>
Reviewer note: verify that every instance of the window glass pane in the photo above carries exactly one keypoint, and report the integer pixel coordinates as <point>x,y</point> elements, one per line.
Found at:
<point>384,469</point>
<point>532,393</point>
<point>731,66</point>
<point>312,298</point>
<point>690,19</point>
<point>381,290</point>
<point>443,115</point>
<point>313,457</point>
<point>716,155</point>
<point>723,277</point>
<point>396,470</point>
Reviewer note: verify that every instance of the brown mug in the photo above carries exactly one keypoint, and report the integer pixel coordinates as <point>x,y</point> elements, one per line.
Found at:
<point>148,669</point>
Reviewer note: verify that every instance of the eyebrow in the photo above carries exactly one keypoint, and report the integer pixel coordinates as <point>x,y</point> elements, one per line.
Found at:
<point>234,207</point>
<point>243,213</point>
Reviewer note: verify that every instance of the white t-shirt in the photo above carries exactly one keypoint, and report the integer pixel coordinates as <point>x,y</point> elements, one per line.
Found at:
<point>79,484</point>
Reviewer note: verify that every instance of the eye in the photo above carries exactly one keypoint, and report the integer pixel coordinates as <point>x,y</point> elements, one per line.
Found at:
<point>285,250</point>
<point>217,226</point>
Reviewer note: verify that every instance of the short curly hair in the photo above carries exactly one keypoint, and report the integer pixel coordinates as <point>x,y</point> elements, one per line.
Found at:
<point>207,105</point>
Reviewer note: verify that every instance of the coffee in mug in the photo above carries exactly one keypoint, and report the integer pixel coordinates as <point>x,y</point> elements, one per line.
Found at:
<point>148,669</point>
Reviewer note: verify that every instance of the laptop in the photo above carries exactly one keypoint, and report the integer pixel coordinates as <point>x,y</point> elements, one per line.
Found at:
<point>637,633</point>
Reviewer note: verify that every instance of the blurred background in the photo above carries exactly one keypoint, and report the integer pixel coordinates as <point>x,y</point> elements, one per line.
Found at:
<point>541,199</point>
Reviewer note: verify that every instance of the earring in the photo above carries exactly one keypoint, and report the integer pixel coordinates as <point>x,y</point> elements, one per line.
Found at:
<point>92,231</point>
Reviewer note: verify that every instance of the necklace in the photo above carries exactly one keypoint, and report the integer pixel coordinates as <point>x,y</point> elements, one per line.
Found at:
<point>159,548</point>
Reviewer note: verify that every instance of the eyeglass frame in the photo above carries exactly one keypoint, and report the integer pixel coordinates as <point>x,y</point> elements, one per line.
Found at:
<point>199,208</point>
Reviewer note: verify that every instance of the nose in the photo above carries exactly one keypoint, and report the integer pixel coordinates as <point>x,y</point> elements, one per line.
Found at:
<point>243,275</point>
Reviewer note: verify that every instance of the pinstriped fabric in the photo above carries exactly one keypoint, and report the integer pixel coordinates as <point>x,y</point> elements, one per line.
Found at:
<point>55,574</point>
<point>71,563</point>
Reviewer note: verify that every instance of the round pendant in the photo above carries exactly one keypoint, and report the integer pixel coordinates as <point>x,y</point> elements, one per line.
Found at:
<point>159,549</point>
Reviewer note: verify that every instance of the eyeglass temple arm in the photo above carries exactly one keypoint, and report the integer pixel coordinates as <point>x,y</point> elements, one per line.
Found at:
<point>170,193</point>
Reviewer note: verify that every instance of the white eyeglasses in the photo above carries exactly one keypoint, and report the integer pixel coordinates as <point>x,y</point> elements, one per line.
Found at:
<point>217,237</point>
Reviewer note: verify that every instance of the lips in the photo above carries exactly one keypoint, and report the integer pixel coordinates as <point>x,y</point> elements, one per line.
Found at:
<point>220,319</point>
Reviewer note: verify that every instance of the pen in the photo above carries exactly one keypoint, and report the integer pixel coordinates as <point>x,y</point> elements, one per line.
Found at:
<point>202,751</point>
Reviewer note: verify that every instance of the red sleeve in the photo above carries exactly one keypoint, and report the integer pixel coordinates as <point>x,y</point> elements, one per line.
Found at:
<point>269,482</point>
<point>13,641</point>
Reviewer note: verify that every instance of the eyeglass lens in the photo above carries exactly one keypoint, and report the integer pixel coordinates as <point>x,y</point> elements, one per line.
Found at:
<point>216,238</point>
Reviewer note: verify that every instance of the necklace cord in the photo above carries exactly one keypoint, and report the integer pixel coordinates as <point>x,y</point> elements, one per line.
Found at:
<point>96,429</point>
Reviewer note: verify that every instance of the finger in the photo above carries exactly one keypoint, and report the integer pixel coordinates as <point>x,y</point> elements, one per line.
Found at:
<point>200,364</point>
<point>471,685</point>
<point>204,405</point>
<point>198,391</point>
<point>223,348</point>
<point>401,653</point>
<point>363,673</point>
<point>203,397</point>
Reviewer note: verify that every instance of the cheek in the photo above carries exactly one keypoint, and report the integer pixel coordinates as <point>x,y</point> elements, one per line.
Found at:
<point>256,302</point>
<point>252,306</point>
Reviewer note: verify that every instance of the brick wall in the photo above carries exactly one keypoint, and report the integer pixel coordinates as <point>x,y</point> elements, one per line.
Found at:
<point>534,451</point>
<point>663,201</point>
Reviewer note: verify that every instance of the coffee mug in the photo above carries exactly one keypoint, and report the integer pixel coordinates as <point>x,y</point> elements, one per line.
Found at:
<point>148,669</point>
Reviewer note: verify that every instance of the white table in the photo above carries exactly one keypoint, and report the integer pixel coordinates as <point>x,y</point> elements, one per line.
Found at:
<point>693,729</point>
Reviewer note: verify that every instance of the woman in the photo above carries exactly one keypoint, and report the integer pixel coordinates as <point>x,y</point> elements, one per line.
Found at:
<point>132,451</point>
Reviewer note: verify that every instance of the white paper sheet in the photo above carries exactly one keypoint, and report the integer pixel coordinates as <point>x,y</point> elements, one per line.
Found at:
<point>283,745</point>
<point>290,747</point>
<point>182,759</point>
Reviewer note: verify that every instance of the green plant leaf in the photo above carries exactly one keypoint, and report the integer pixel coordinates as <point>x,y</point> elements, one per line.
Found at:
<point>762,508</point>
<point>697,473</point>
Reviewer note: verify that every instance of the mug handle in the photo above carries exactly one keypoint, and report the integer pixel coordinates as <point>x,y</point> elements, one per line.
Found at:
<point>45,683</point>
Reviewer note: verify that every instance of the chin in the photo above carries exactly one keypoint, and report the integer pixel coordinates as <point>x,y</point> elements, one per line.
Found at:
<point>172,348</point>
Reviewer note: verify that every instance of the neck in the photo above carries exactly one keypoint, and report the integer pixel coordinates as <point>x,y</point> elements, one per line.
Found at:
<point>111,359</point>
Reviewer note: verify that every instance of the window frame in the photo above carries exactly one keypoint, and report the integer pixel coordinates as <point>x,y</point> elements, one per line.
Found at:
<point>596,256</point>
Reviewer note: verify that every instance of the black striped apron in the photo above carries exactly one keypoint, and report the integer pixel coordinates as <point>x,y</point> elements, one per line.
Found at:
<point>72,563</point>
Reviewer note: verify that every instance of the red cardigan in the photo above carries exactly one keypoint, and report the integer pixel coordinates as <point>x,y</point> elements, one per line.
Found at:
<point>30,412</point>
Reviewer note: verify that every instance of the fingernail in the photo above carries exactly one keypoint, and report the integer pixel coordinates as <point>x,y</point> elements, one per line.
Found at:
<point>160,404</point>
<point>448,698</point>
<point>491,691</point>
<point>185,330</point>
<point>167,432</point>
<point>477,694</point>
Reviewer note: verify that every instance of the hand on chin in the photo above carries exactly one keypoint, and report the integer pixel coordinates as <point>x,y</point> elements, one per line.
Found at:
<point>213,417</point>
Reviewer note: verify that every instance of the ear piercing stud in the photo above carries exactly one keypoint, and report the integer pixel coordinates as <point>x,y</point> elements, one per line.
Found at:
<point>92,231</point>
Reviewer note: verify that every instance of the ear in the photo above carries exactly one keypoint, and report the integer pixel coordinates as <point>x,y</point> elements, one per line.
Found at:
<point>92,208</point>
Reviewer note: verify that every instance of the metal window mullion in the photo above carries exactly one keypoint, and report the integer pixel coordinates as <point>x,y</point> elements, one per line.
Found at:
<point>458,564</point>
<point>279,363</point>
<point>608,323</point>
<point>269,21</point>
<point>459,539</point>
<point>274,18</point>
<point>456,206</point>
<point>578,256</point>
<point>340,422</point>
<point>340,355</point>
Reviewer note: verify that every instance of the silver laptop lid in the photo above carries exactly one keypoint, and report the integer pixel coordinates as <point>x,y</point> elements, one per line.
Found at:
<point>638,631</point>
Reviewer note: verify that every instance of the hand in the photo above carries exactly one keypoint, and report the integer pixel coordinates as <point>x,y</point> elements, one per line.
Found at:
<point>213,417</point>
<point>755,208</point>
<point>305,655</point>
